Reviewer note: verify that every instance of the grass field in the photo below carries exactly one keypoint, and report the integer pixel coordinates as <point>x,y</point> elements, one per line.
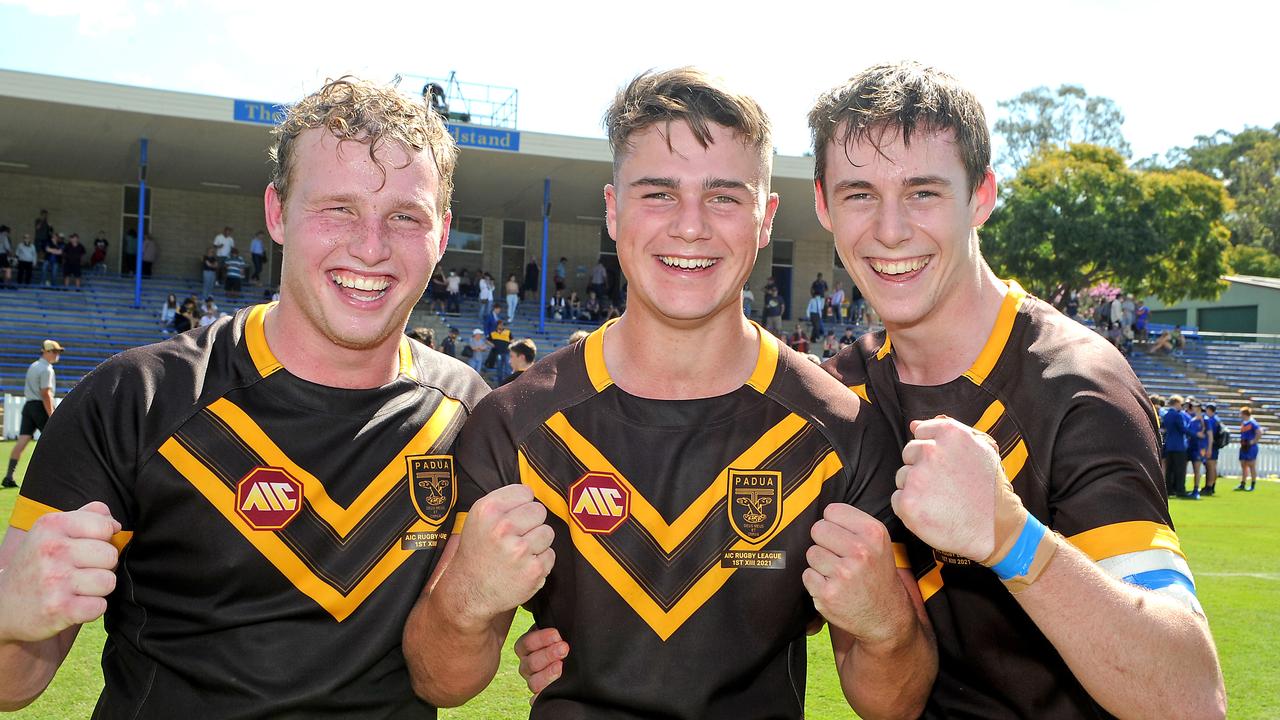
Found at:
<point>1232,540</point>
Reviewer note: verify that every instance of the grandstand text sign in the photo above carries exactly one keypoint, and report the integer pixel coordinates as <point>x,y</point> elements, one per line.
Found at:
<point>253,111</point>
<point>483,137</point>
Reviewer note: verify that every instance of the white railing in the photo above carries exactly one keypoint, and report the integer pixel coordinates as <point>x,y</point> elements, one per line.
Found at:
<point>1267,464</point>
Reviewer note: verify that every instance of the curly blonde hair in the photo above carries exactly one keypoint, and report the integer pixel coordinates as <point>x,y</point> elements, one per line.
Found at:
<point>364,112</point>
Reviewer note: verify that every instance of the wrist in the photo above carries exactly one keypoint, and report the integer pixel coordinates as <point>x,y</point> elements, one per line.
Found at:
<point>1027,557</point>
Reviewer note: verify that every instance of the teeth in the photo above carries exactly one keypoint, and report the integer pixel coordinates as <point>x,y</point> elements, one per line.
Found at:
<point>360,283</point>
<point>687,263</point>
<point>898,267</point>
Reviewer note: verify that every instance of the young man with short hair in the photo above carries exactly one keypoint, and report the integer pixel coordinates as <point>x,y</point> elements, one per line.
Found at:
<point>1213,430</point>
<point>256,505</point>
<point>520,356</point>
<point>1250,434</point>
<point>38,394</point>
<point>678,492</point>
<point>1052,573</point>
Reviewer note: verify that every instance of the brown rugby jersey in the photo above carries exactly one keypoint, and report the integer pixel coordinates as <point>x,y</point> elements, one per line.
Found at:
<point>276,532</point>
<point>1078,440</point>
<point>680,526</point>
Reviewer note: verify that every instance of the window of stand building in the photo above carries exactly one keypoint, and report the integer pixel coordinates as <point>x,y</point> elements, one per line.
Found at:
<point>466,234</point>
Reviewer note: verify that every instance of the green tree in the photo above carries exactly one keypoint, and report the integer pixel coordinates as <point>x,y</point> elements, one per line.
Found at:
<point>1077,217</point>
<point>1248,163</point>
<point>1253,260</point>
<point>1041,117</point>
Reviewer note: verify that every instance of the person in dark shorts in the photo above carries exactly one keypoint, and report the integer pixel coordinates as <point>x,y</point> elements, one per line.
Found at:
<point>38,393</point>
<point>73,260</point>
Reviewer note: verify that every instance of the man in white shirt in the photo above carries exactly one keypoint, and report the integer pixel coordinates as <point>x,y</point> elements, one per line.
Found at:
<point>222,243</point>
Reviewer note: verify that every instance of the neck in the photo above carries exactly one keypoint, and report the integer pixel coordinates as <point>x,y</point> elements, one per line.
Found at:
<point>308,354</point>
<point>943,346</point>
<point>654,358</point>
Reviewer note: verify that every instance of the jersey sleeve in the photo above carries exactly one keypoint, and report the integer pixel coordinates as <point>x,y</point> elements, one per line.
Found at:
<point>1106,494</point>
<point>486,456</point>
<point>87,452</point>
<point>46,381</point>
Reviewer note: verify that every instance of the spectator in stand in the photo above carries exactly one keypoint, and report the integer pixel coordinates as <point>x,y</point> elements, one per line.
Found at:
<point>1250,434</point>
<point>591,310</point>
<point>830,345</point>
<point>857,305</point>
<point>129,258</point>
<point>486,295</point>
<point>436,291</point>
<point>188,316</point>
<point>223,242</point>
<point>476,350</point>
<point>150,251</point>
<point>491,320</point>
<point>52,266</point>
<point>819,287</point>
<point>1174,425</point>
<point>520,356</point>
<point>1212,429</point>
<point>814,311</point>
<point>1072,308</point>
<point>26,256</point>
<point>562,268</point>
<point>168,312</point>
<point>38,392</point>
<point>1197,444</point>
<point>500,340</point>
<point>837,303</point>
<point>1163,344</point>
<point>72,260</point>
<point>748,299</point>
<point>1127,310</point>
<point>6,252</point>
<point>800,339</point>
<point>98,260</point>
<point>209,317</point>
<point>773,310</point>
<point>576,311</point>
<point>449,346</point>
<point>235,272</point>
<point>43,230</point>
<point>847,338</point>
<point>208,271</point>
<point>258,254</point>
<point>599,279</point>
<point>558,308</point>
<point>1115,313</point>
<point>1141,315</point>
<point>512,288</point>
<point>453,293</point>
<point>532,279</point>
<point>424,335</point>
<point>1176,339</point>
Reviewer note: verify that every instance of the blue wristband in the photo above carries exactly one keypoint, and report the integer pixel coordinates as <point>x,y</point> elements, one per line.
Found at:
<point>1018,561</point>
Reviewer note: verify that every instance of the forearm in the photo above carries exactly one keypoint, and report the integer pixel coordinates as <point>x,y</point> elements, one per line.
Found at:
<point>889,680</point>
<point>451,656</point>
<point>27,667</point>
<point>47,398</point>
<point>1137,653</point>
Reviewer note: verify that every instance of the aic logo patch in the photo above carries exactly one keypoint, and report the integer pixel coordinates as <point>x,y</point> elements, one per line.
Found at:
<point>755,502</point>
<point>268,498</point>
<point>599,503</point>
<point>432,486</point>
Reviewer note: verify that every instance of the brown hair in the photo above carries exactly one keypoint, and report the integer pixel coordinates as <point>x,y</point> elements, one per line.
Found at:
<point>367,113</point>
<point>525,348</point>
<point>905,97</point>
<point>687,95</point>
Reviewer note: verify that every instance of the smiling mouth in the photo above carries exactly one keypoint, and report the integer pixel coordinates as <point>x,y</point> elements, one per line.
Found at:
<point>895,268</point>
<point>361,288</point>
<point>687,263</point>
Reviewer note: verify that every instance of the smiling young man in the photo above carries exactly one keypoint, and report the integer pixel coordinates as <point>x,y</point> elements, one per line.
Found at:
<point>255,506</point>
<point>1054,580</point>
<point>679,495</point>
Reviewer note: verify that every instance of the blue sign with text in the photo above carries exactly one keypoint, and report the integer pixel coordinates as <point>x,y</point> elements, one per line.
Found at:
<point>253,111</point>
<point>483,137</point>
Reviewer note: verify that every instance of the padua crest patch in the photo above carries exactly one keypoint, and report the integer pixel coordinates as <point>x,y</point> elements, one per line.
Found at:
<point>755,503</point>
<point>432,486</point>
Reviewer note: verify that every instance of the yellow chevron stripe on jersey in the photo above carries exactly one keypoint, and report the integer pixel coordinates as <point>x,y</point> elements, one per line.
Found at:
<point>406,359</point>
<point>1014,460</point>
<point>999,337</point>
<point>223,498</point>
<point>931,582</point>
<point>761,375</point>
<point>255,338</point>
<point>990,417</point>
<point>1107,541</point>
<point>26,511</point>
<point>341,519</point>
<point>670,536</point>
<point>900,558</point>
<point>861,391</point>
<point>666,622</point>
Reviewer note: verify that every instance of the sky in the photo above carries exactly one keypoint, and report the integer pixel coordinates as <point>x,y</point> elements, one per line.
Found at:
<point>1176,69</point>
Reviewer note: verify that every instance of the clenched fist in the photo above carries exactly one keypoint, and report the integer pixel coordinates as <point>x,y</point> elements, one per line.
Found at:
<point>504,552</point>
<point>60,574</point>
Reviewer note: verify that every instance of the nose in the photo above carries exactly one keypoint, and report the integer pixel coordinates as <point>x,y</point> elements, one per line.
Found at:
<point>892,227</point>
<point>690,222</point>
<point>370,243</point>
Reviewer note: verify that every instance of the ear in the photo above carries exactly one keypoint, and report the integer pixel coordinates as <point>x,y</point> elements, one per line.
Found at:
<point>984,199</point>
<point>820,205</point>
<point>770,211</point>
<point>275,214</point>
<point>447,221</point>
<point>611,211</point>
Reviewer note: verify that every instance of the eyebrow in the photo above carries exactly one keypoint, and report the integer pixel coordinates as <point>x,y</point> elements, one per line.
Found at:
<point>915,181</point>
<point>708,184</point>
